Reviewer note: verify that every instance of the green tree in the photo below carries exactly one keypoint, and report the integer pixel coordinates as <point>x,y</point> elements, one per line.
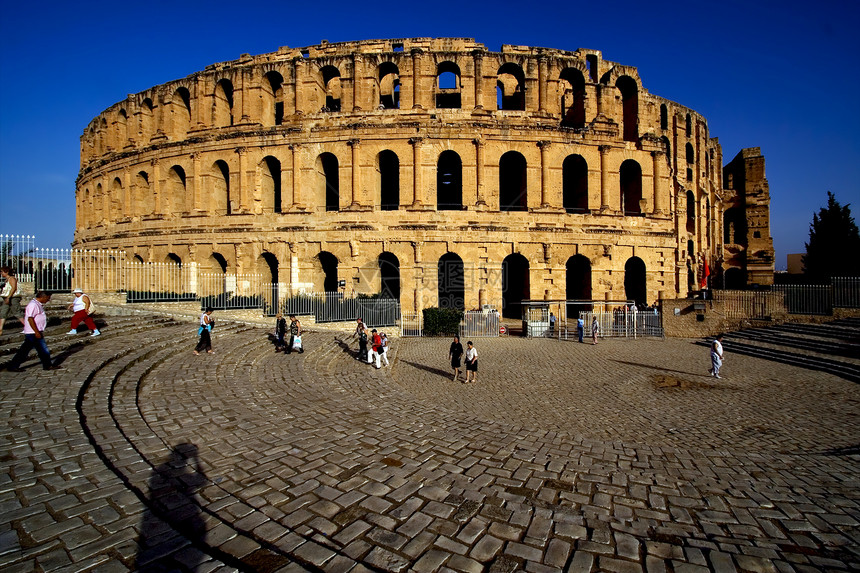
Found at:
<point>834,243</point>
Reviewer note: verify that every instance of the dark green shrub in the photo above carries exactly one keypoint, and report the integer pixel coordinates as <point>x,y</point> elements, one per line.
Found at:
<point>442,321</point>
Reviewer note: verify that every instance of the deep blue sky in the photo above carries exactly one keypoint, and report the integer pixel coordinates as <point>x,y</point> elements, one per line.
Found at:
<point>782,76</point>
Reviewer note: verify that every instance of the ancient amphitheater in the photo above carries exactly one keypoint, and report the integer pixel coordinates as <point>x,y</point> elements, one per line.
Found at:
<point>433,169</point>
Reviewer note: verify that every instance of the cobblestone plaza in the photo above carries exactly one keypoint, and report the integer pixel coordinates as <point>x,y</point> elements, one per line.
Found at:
<point>623,456</point>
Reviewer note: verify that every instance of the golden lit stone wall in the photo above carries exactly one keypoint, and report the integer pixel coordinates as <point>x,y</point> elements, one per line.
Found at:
<point>308,164</point>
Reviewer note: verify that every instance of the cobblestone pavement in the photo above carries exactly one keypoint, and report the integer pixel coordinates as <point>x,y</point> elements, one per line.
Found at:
<point>564,456</point>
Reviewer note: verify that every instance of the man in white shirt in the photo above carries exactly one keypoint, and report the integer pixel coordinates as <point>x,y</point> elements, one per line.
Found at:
<point>35,321</point>
<point>716,356</point>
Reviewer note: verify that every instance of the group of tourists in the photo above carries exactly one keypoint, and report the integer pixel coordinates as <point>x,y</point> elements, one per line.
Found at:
<point>378,344</point>
<point>456,353</point>
<point>295,327</point>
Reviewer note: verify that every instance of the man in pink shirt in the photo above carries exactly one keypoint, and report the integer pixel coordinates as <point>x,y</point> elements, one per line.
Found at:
<point>35,321</point>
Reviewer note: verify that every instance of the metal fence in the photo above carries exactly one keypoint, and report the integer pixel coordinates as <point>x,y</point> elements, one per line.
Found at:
<point>624,323</point>
<point>411,324</point>
<point>342,307</point>
<point>477,324</point>
<point>842,292</point>
<point>749,304</point>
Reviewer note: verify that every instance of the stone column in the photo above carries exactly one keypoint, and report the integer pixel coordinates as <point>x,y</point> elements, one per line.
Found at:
<point>355,202</point>
<point>242,191</point>
<point>197,197</point>
<point>542,73</point>
<point>243,96</point>
<point>200,101</point>
<point>657,161</point>
<point>481,203</point>
<point>479,83</point>
<point>544,174</point>
<point>285,184</point>
<point>126,194</point>
<point>604,176</point>
<point>417,191</point>
<point>417,88</point>
<point>158,200</point>
<point>357,76</point>
<point>298,76</point>
<point>295,148</point>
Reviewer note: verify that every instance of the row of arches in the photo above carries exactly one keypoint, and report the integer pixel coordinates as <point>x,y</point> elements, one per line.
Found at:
<point>174,196</point>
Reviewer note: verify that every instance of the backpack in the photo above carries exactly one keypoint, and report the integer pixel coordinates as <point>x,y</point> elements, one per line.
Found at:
<point>363,336</point>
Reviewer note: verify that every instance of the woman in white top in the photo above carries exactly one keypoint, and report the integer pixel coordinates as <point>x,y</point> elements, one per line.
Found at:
<point>471,363</point>
<point>206,323</point>
<point>10,297</point>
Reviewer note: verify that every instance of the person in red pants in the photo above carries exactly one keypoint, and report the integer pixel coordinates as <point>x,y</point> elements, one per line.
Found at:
<point>81,308</point>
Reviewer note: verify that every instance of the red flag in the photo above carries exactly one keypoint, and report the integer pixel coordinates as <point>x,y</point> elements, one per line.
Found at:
<point>706,272</point>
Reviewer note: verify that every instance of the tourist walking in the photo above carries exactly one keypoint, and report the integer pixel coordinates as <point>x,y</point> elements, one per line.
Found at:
<point>375,348</point>
<point>35,321</point>
<point>361,334</point>
<point>551,323</point>
<point>295,335</point>
<point>455,353</point>
<point>580,328</point>
<point>205,332</point>
<point>280,332</point>
<point>595,328</point>
<point>471,363</point>
<point>10,297</point>
<point>384,353</point>
<point>716,356</point>
<point>82,307</point>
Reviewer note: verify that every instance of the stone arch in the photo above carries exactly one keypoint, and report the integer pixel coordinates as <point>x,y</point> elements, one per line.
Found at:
<point>578,284</point>
<point>388,166</point>
<point>331,87</point>
<point>575,184</point>
<point>448,85</point>
<point>272,98</point>
<point>180,113</point>
<point>215,263</point>
<point>116,200</point>
<point>328,182</point>
<point>141,195</point>
<point>222,107</point>
<point>449,181</point>
<point>451,282</point>
<point>389,273</point>
<point>121,128</point>
<point>176,190</point>
<point>734,226</point>
<point>270,182</point>
<point>630,176</point>
<point>635,281</point>
<point>691,212</point>
<point>145,121</point>
<point>515,285</point>
<point>691,154</point>
<point>268,267</point>
<point>511,87</point>
<point>327,272</point>
<point>221,202</point>
<point>734,278</point>
<point>389,86</point>
<point>572,91</point>
<point>664,117</point>
<point>513,178</point>
<point>630,107</point>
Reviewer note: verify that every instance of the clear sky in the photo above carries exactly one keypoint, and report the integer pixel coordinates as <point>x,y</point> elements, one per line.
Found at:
<point>779,75</point>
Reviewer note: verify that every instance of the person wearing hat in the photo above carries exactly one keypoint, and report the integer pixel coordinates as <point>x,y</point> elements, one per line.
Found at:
<point>81,308</point>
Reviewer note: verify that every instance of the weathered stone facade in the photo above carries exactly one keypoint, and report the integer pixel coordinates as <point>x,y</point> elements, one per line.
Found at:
<point>524,173</point>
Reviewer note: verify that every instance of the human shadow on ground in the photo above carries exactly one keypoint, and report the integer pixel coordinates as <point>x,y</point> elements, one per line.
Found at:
<point>61,357</point>
<point>345,347</point>
<point>651,367</point>
<point>172,531</point>
<point>439,371</point>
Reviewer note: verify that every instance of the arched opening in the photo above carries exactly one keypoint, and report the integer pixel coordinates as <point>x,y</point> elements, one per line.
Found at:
<point>691,248</point>
<point>388,165</point>
<point>267,267</point>
<point>117,197</point>
<point>180,112</point>
<point>691,212</point>
<point>176,190</point>
<point>271,184</point>
<point>389,84</point>
<point>145,128</point>
<point>572,88</point>
<point>575,184</point>
<point>578,284</point>
<point>734,279</point>
<point>389,273</point>
<point>328,176</point>
<point>515,285</point>
<point>635,288</point>
<point>630,107</point>
<point>141,199</point>
<point>691,155</point>
<point>448,85</point>
<point>451,283</point>
<point>273,99</point>
<point>511,87</point>
<point>328,272</point>
<point>221,188</point>
<point>223,113</point>
<point>631,188</point>
<point>664,117</point>
<point>449,182</point>
<point>513,195</point>
<point>735,227</point>
<point>217,263</point>
<point>688,125</point>
<point>331,87</point>
<point>668,147</point>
